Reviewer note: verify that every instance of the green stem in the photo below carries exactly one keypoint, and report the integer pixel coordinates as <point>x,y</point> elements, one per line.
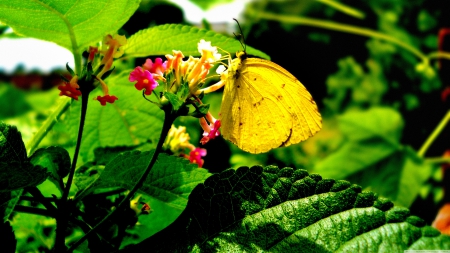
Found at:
<point>168,121</point>
<point>331,25</point>
<point>434,134</point>
<point>438,160</point>
<point>62,221</point>
<point>438,55</point>
<point>37,194</point>
<point>343,8</point>
<point>47,125</point>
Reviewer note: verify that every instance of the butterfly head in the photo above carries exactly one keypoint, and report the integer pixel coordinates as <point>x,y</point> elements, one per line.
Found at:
<point>242,55</point>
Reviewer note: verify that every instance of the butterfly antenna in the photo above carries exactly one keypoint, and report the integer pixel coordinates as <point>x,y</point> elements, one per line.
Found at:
<point>241,35</point>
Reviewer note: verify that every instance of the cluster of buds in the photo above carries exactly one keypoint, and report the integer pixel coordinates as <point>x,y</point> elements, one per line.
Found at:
<point>177,141</point>
<point>97,68</point>
<point>140,207</point>
<point>182,82</point>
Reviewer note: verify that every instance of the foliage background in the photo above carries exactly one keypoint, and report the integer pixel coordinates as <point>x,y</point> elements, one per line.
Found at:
<point>379,106</point>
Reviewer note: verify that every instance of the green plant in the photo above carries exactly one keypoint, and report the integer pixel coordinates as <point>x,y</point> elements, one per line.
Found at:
<point>125,183</point>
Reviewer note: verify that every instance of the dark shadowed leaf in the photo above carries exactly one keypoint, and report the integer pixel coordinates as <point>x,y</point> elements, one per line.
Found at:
<point>16,171</point>
<point>57,162</point>
<point>288,210</point>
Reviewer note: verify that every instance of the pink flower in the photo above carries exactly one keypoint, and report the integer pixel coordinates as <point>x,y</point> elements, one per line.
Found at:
<point>106,98</point>
<point>158,68</point>
<point>211,129</point>
<point>195,156</point>
<point>144,80</point>
<point>213,132</point>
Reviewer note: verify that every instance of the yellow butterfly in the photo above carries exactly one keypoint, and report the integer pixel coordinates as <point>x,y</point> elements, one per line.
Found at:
<point>265,107</point>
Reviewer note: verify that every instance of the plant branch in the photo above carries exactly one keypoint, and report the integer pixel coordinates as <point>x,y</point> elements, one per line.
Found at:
<point>343,8</point>
<point>434,134</point>
<point>62,205</point>
<point>168,121</point>
<point>439,55</point>
<point>437,160</point>
<point>331,25</point>
<point>36,193</point>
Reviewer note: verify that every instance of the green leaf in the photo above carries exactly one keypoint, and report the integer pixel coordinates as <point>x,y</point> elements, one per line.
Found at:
<point>161,40</point>
<point>7,202</point>
<point>354,157</point>
<point>201,111</point>
<point>84,177</point>
<point>374,157</point>
<point>170,180</point>
<point>16,171</point>
<point>104,155</point>
<point>382,122</point>
<point>174,100</point>
<point>130,121</point>
<point>73,24</point>
<point>205,5</point>
<point>34,232</point>
<point>161,216</point>
<point>288,210</point>
<point>57,162</point>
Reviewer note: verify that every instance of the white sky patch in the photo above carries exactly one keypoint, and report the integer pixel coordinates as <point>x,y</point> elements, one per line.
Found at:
<point>221,13</point>
<point>32,54</point>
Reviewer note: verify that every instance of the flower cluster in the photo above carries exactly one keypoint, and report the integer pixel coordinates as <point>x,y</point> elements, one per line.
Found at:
<point>70,89</point>
<point>177,141</point>
<point>174,72</point>
<point>98,67</point>
<point>176,75</point>
<point>140,207</point>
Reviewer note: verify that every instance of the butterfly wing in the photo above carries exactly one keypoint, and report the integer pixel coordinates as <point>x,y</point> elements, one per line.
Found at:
<point>265,107</point>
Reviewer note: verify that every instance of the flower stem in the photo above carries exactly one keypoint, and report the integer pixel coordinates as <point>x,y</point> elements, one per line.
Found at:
<point>168,121</point>
<point>434,134</point>
<point>63,212</point>
<point>331,25</point>
<point>439,55</point>
<point>438,160</point>
<point>344,8</point>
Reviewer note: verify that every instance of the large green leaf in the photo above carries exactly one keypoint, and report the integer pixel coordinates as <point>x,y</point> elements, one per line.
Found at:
<point>170,180</point>
<point>382,122</point>
<point>161,40</point>
<point>130,121</point>
<point>288,210</point>
<point>16,171</point>
<point>72,24</point>
<point>57,162</point>
<point>374,157</point>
